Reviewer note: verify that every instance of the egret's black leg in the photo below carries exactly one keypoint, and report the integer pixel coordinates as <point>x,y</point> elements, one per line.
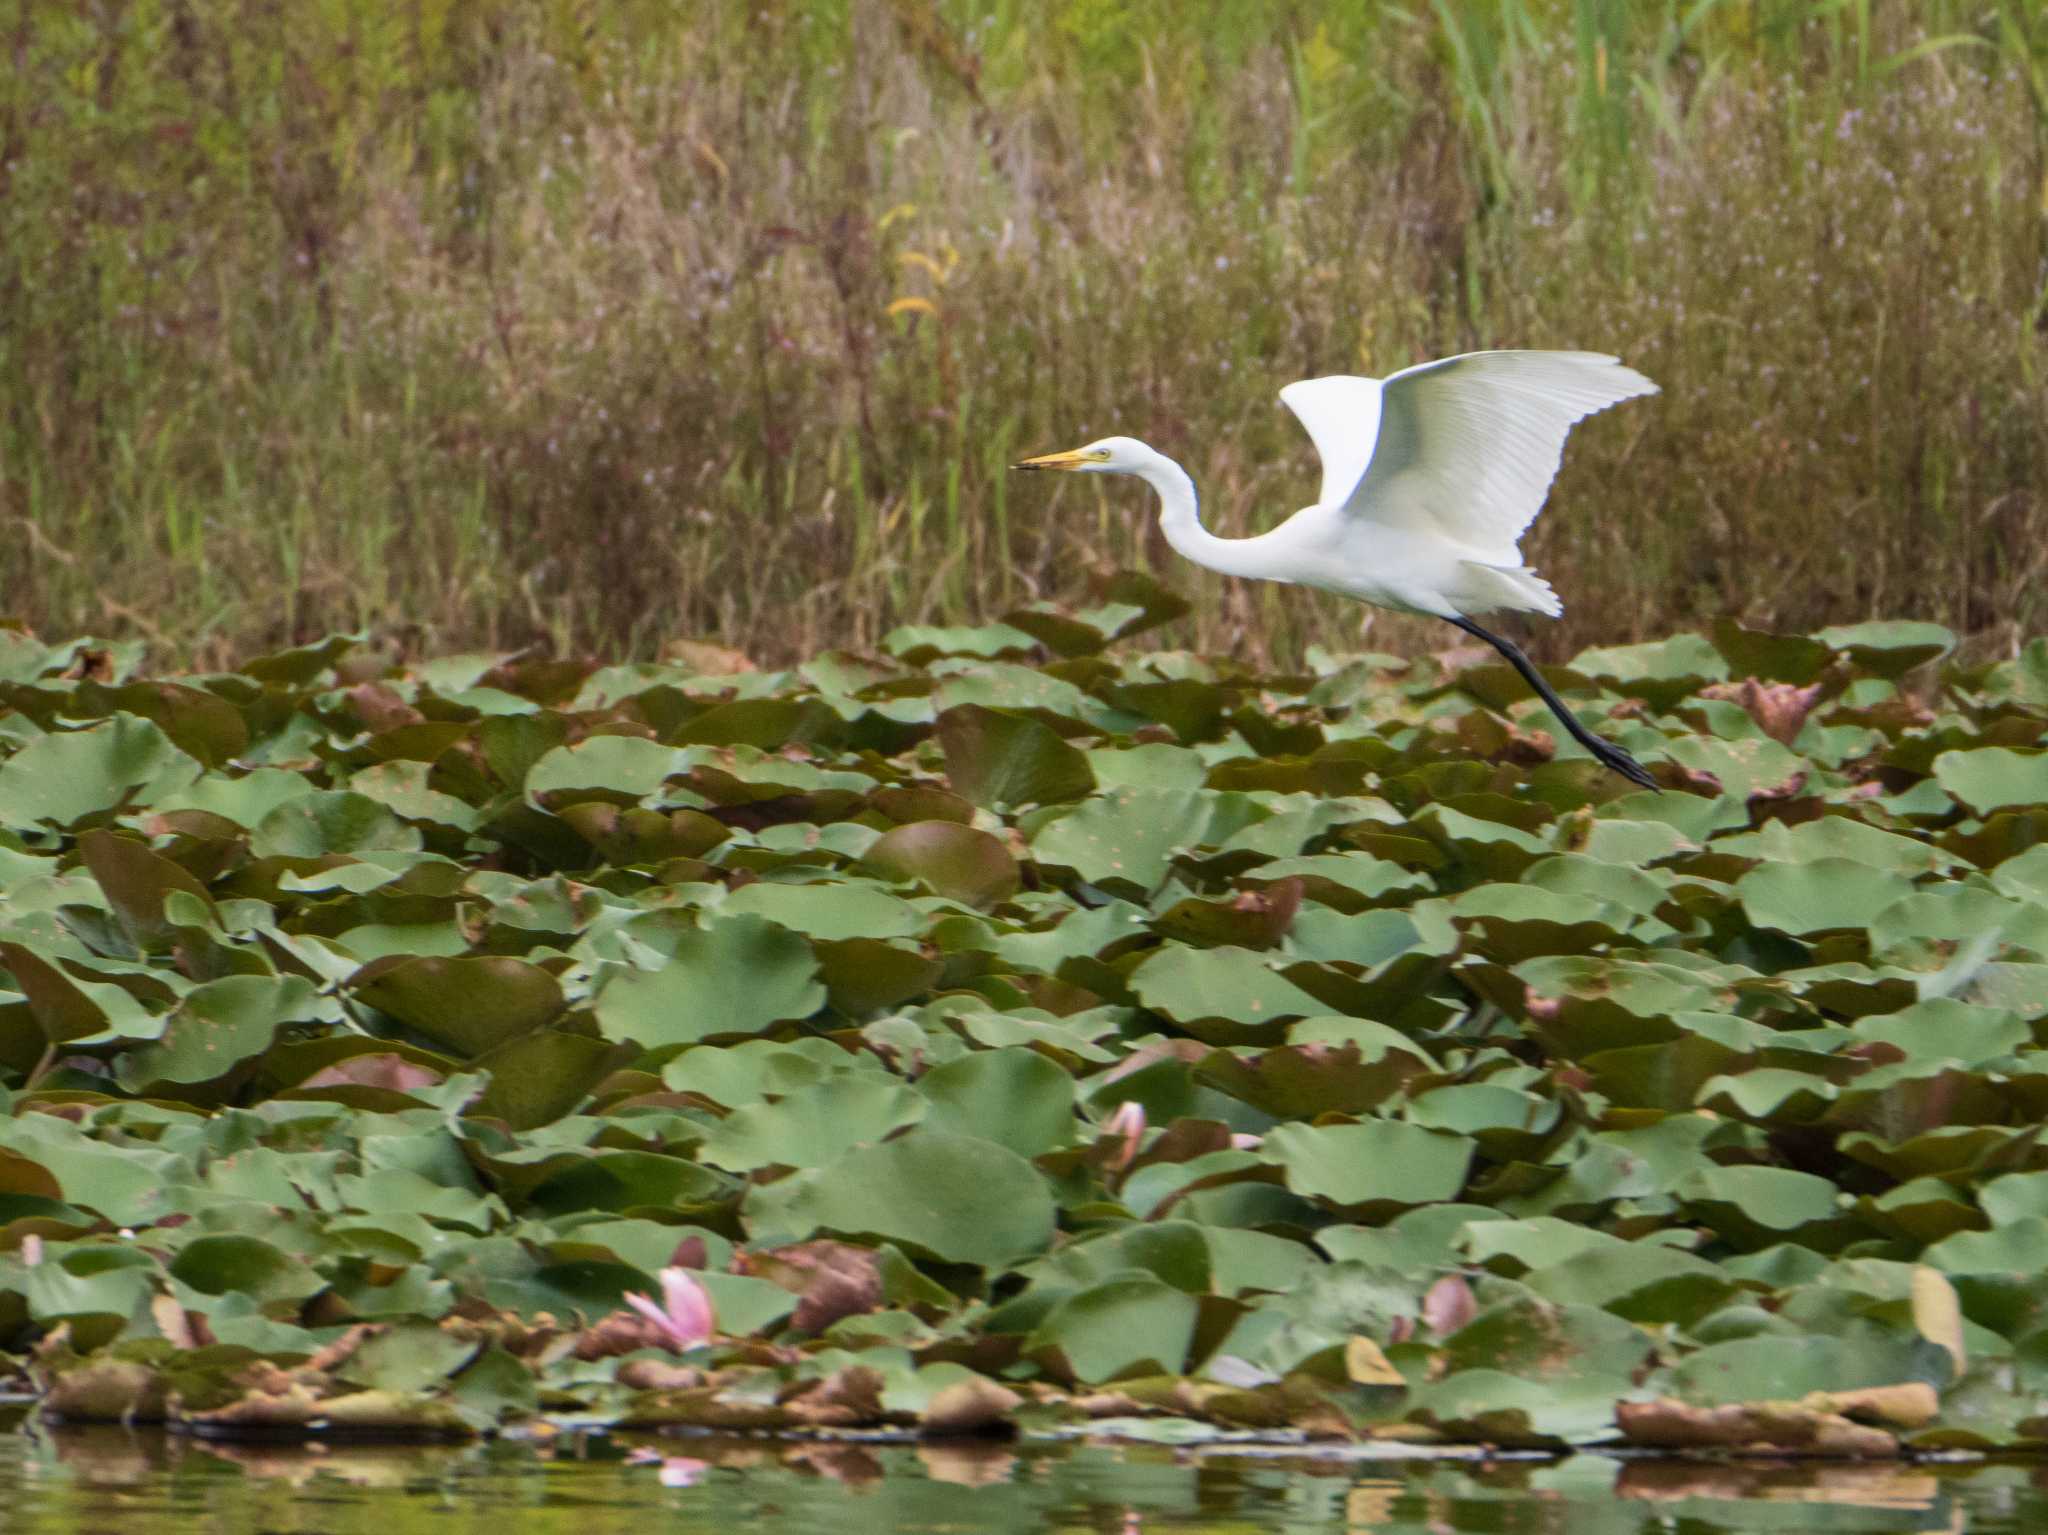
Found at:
<point>1605,752</point>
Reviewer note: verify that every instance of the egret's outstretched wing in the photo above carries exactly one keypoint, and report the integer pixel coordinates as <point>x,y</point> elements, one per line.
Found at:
<point>1467,447</point>
<point>1342,414</point>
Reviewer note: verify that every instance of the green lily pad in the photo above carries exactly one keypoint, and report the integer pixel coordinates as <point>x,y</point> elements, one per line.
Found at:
<point>1890,648</point>
<point>537,1078</point>
<point>330,821</point>
<point>1994,777</point>
<point>812,1127</point>
<point>958,862</point>
<point>957,1197</point>
<point>1758,653</point>
<point>999,760</point>
<point>1016,1097</point>
<point>1376,1162</point>
<point>735,976</point>
<point>1127,837</point>
<point>241,1265</point>
<point>1236,986</point>
<point>136,881</point>
<point>1661,671</point>
<point>218,1026</point>
<point>620,770</point>
<point>1781,1369</point>
<point>468,1005</point>
<point>1128,1326</point>
<point>1818,896</point>
<point>829,911</point>
<point>65,776</point>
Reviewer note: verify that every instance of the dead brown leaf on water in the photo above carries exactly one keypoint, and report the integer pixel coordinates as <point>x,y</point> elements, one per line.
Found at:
<point>848,1398</point>
<point>1823,1423</point>
<point>1779,708</point>
<point>832,1280</point>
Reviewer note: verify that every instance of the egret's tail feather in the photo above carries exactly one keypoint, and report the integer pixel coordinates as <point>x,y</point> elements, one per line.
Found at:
<point>1515,588</point>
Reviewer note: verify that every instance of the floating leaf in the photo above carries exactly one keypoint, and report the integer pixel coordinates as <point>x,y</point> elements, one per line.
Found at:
<point>68,775</point>
<point>1376,1162</point>
<point>1000,760</point>
<point>1773,657</point>
<point>620,770</point>
<point>957,862</point>
<point>242,1265</point>
<point>1134,1326</point>
<point>469,1005</point>
<point>735,976</point>
<point>1819,895</point>
<point>1127,836</point>
<point>1233,985</point>
<point>136,881</point>
<point>828,911</point>
<point>1889,648</point>
<point>537,1078</point>
<point>1781,1368</point>
<point>218,1026</point>
<point>813,1127</point>
<point>1994,777</point>
<point>1291,1053</point>
<point>1016,1098</point>
<point>960,1198</point>
<point>330,821</point>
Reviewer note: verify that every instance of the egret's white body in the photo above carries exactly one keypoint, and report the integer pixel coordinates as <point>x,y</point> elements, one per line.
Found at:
<point>1430,478</point>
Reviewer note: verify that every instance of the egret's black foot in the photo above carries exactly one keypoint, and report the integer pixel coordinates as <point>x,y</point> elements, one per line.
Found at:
<point>1611,756</point>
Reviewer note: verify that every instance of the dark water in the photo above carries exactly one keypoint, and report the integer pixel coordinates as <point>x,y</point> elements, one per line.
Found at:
<point>110,1481</point>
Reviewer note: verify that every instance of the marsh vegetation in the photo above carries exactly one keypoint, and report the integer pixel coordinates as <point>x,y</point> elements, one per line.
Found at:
<point>499,322</point>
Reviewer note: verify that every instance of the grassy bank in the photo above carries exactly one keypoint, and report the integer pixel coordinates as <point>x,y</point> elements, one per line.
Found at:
<point>597,325</point>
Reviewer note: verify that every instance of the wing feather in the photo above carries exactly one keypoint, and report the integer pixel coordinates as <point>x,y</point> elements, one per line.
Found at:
<point>1342,416</point>
<point>1465,448</point>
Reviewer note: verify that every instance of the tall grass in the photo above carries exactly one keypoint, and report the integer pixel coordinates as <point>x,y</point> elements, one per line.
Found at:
<point>505,321</point>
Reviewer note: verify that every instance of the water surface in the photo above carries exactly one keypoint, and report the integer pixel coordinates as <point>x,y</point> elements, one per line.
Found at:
<point>143,1483</point>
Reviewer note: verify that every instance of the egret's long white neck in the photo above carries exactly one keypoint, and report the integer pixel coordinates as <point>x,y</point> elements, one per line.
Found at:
<point>1180,521</point>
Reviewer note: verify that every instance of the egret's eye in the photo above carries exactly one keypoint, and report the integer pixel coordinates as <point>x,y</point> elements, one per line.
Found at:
<point>1100,455</point>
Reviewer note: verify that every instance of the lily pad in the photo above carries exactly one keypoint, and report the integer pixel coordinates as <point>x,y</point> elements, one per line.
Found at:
<point>467,1005</point>
<point>735,976</point>
<point>958,862</point>
<point>65,776</point>
<point>957,1197</point>
<point>1377,1162</point>
<point>998,760</point>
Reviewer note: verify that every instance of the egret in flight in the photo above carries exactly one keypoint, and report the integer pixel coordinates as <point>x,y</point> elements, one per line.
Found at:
<point>1430,478</point>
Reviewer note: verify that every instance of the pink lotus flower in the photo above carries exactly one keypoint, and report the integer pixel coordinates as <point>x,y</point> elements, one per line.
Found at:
<point>683,1315</point>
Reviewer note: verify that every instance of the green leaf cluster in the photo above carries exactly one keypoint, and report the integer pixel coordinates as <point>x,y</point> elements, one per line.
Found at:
<point>1094,1034</point>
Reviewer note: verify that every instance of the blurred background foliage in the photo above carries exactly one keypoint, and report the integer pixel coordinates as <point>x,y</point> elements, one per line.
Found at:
<point>506,321</point>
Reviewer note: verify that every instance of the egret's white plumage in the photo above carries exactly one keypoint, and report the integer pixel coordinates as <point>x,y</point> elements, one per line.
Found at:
<point>1430,478</point>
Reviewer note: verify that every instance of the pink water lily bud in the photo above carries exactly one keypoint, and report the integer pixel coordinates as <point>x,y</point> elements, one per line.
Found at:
<point>1129,1122</point>
<point>684,1315</point>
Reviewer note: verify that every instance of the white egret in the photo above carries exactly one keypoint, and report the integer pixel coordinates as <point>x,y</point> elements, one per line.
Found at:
<point>1430,477</point>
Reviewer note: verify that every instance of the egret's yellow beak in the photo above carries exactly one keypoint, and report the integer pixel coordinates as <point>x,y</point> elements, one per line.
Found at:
<point>1073,459</point>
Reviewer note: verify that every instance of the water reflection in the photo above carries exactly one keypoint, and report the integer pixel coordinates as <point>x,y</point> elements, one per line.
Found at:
<point>91,1481</point>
